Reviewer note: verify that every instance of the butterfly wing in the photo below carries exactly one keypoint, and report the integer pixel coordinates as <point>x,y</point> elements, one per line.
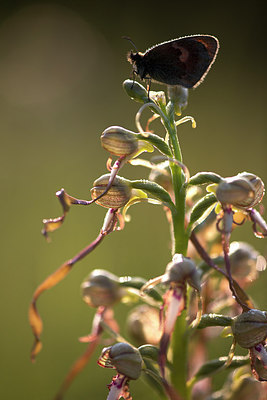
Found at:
<point>184,61</point>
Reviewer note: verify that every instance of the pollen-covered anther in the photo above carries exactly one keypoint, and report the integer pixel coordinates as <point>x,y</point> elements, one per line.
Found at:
<point>118,195</point>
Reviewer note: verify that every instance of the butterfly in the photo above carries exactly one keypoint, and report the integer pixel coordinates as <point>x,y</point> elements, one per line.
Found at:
<point>184,61</point>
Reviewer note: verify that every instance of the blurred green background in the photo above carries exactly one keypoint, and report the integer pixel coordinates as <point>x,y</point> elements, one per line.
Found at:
<point>62,64</point>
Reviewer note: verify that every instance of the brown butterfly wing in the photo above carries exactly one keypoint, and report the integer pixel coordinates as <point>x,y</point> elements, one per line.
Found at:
<point>183,61</point>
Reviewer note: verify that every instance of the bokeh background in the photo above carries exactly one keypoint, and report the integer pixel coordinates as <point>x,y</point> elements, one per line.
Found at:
<point>62,64</point>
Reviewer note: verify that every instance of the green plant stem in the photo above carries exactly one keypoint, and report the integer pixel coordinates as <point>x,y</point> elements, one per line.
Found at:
<point>179,342</point>
<point>180,238</point>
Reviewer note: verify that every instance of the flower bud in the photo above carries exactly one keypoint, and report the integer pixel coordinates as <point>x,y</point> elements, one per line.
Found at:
<point>178,95</point>
<point>242,191</point>
<point>250,328</point>
<point>243,259</point>
<point>143,324</point>
<point>136,91</point>
<point>237,191</point>
<point>182,269</point>
<point>158,97</point>
<point>119,141</point>
<point>122,142</point>
<point>118,195</point>
<point>258,186</point>
<point>101,288</point>
<point>162,176</point>
<point>125,358</point>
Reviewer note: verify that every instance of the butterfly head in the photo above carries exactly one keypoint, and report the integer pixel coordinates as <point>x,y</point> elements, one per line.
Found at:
<point>136,59</point>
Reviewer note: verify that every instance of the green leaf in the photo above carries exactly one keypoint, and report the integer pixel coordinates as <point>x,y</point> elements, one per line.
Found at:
<point>214,320</point>
<point>213,366</point>
<point>155,190</point>
<point>202,178</point>
<point>199,209</point>
<point>137,283</point>
<point>153,378</point>
<point>157,142</point>
<point>149,351</point>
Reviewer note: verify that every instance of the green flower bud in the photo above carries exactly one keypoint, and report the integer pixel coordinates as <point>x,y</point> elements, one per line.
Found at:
<point>125,358</point>
<point>122,142</point>
<point>250,328</point>
<point>136,91</point>
<point>101,288</point>
<point>237,191</point>
<point>118,195</point>
<point>178,95</point>
<point>182,269</point>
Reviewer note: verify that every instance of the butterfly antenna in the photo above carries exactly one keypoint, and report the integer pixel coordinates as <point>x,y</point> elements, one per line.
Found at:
<point>130,40</point>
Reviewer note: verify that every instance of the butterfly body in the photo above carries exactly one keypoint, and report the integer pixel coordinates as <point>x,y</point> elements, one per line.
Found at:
<point>184,61</point>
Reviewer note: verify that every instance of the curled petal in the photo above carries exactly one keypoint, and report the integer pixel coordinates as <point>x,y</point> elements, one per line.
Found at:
<point>66,201</point>
<point>57,276</point>
<point>185,119</point>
